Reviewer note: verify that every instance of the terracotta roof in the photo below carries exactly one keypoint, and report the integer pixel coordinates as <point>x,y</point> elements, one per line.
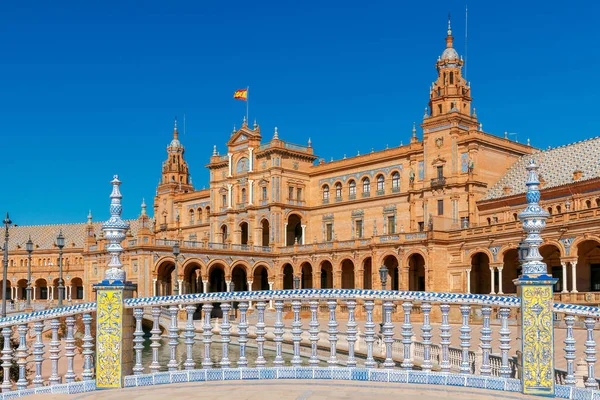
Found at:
<point>557,168</point>
<point>44,236</point>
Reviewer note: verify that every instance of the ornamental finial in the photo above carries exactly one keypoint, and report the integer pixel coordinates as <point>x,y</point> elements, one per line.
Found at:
<point>143,206</point>
<point>449,27</point>
<point>215,150</point>
<point>115,231</point>
<point>414,130</point>
<point>534,221</point>
<point>275,134</point>
<point>175,133</point>
<point>89,217</point>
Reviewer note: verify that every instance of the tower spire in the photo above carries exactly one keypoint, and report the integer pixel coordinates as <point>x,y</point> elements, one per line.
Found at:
<point>449,38</point>
<point>175,133</point>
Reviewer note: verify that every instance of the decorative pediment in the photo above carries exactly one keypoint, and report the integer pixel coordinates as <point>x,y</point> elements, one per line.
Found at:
<point>242,136</point>
<point>439,160</point>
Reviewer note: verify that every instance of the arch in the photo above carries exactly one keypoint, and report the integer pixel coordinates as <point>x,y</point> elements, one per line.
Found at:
<point>239,278</point>
<point>192,277</point>
<point>216,278</point>
<point>325,190</point>
<point>338,190</point>
<point>216,263</point>
<point>76,288</point>
<point>199,215</point>
<point>588,265</point>
<point>224,233</point>
<point>191,216</point>
<point>326,274</point>
<point>165,277</point>
<point>351,187</point>
<point>266,231</point>
<point>480,273</point>
<point>551,255</point>
<point>588,204</point>
<point>395,180</point>
<point>306,271</point>
<point>391,262</point>
<point>511,269</point>
<point>294,229</point>
<point>574,251</point>
<point>260,277</point>
<point>367,273</point>
<point>22,289</point>
<point>347,268</point>
<point>288,276</point>
<point>485,251</point>
<point>366,185</point>
<point>244,233</point>
<point>41,289</point>
<point>416,272</point>
<point>380,183</point>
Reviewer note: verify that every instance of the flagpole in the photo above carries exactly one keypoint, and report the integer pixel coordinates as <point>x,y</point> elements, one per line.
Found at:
<point>247,96</point>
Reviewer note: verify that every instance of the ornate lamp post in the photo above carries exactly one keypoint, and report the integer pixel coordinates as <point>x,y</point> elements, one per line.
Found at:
<point>176,252</point>
<point>383,274</point>
<point>7,223</point>
<point>60,243</point>
<point>296,282</point>
<point>29,248</point>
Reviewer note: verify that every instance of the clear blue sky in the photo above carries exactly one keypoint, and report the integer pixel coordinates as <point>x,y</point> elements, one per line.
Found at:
<point>90,89</point>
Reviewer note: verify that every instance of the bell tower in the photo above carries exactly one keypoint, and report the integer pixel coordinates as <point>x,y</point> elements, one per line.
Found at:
<point>450,94</point>
<point>175,173</point>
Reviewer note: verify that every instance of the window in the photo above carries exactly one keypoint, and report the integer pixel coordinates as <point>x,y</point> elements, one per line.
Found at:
<point>352,188</point>
<point>329,230</point>
<point>595,277</point>
<point>451,78</point>
<point>366,185</point>
<point>440,108</point>
<point>191,217</point>
<point>440,172</point>
<point>325,193</point>
<point>224,200</point>
<point>291,193</point>
<point>338,190</point>
<point>299,194</point>
<point>380,183</point>
<point>244,195</point>
<point>395,181</point>
<point>391,224</point>
<point>359,228</point>
<point>264,192</point>
<point>440,204</point>
<point>421,226</point>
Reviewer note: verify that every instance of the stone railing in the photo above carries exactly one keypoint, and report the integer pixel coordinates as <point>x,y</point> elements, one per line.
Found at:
<point>349,344</point>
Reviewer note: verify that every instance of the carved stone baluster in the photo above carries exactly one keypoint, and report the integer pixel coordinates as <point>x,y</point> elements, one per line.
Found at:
<point>570,351</point>
<point>590,353</point>
<point>445,339</point>
<point>54,352</point>
<point>426,335</point>
<point>172,365</point>
<point>504,342</point>
<point>189,335</point>
<point>369,333</point>
<point>407,333</point>
<point>155,339</point>
<point>296,333</point>
<point>207,335</point>
<point>38,353</point>
<point>138,339</point>
<point>21,355</point>
<point>351,333</point>
<point>332,331</point>
<point>243,334</point>
<point>313,330</point>
<point>465,340</point>
<point>260,335</point>
<point>486,340</point>
<point>70,349</point>
<point>225,335</point>
<point>88,346</point>
<point>278,331</point>
<point>388,333</point>
<point>6,359</point>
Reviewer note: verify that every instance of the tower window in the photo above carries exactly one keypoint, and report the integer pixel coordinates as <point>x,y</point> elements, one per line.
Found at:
<point>440,108</point>
<point>173,159</point>
<point>451,78</point>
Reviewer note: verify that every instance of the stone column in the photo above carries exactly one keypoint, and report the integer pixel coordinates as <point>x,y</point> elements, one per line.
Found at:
<point>51,294</point>
<point>500,268</point>
<point>33,292</point>
<point>564,277</point>
<point>285,234</point>
<point>250,289</point>
<point>250,159</point>
<point>303,234</point>
<point>492,279</point>
<point>180,282</point>
<point>250,191</point>
<point>205,286</point>
<point>271,301</point>
<point>574,276</point>
<point>154,283</point>
<point>229,165</point>
<point>229,197</point>
<point>468,271</point>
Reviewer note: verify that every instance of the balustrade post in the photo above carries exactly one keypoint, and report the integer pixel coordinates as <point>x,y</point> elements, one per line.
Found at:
<point>590,353</point>
<point>486,340</point>
<point>243,334</point>
<point>535,290</point>
<point>172,365</point>
<point>570,351</point>
<point>465,340</point>
<point>38,353</point>
<point>278,331</point>
<point>369,333</point>
<point>407,333</point>
<point>332,331</point>
<point>426,335</point>
<point>189,335</point>
<point>54,352</point>
<point>155,339</point>
<point>207,335</point>
<point>260,334</point>
<point>388,333</point>
<point>504,342</point>
<point>445,338</point>
<point>70,349</point>
<point>138,313</point>
<point>296,333</point>
<point>7,359</point>
<point>225,335</point>
<point>88,348</point>
<point>351,333</point>
<point>21,355</point>
<point>313,330</point>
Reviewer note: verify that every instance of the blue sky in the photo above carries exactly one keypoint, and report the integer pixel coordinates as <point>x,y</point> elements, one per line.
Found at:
<point>90,89</point>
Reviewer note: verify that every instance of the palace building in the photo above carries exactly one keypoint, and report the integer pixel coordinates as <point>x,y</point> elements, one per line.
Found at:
<point>439,212</point>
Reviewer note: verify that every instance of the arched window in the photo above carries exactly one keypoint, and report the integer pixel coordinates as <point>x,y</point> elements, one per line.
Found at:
<point>207,211</point>
<point>395,181</point>
<point>191,217</point>
<point>224,233</point>
<point>352,188</point>
<point>243,195</point>
<point>588,204</point>
<point>366,185</point>
<point>325,193</point>
<point>558,209</point>
<point>199,215</point>
<point>338,190</point>
<point>451,77</point>
<point>173,159</point>
<point>380,183</point>
<point>516,216</point>
<point>440,108</point>
<point>550,210</point>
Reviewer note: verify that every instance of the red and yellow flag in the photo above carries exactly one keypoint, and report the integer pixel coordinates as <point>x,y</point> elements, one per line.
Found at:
<point>241,94</point>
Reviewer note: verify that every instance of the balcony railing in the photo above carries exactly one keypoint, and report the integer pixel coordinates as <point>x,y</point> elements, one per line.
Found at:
<point>438,182</point>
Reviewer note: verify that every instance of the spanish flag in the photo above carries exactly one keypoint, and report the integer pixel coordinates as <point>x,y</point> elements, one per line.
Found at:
<point>241,94</point>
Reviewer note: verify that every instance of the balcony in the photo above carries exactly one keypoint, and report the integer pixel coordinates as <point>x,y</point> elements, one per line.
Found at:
<point>438,182</point>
